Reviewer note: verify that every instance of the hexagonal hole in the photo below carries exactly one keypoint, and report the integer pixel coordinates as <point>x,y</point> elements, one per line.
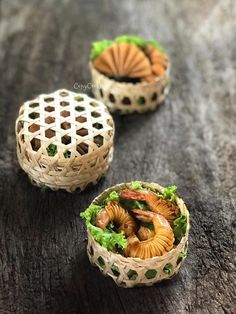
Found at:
<point>65,125</point>
<point>34,128</point>
<point>168,268</point>
<point>98,140</point>
<point>101,92</point>
<point>33,115</point>
<point>51,150</point>
<point>48,99</point>
<point>151,273</point>
<point>95,114</point>
<point>64,103</point>
<point>154,97</point>
<point>93,104</point>
<point>79,98</point>
<point>49,108</point>
<point>65,113</point>
<point>49,120</point>
<point>82,148</point>
<point>81,119</point>
<point>20,126</point>
<point>97,125</point>
<point>126,101</point>
<point>141,100</point>
<point>82,132</point>
<point>34,105</point>
<point>66,139</point>
<point>101,261</point>
<point>115,270</point>
<point>67,154</point>
<point>49,133</point>
<point>112,98</point>
<point>79,108</point>
<point>132,274</point>
<point>63,94</point>
<point>35,144</point>
<point>181,257</point>
<point>91,251</point>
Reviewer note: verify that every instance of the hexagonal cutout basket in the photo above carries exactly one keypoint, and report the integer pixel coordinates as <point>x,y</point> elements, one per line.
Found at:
<point>64,140</point>
<point>126,98</point>
<point>128,272</point>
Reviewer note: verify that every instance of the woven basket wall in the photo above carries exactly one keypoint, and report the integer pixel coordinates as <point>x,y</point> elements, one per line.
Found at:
<point>130,272</point>
<point>125,98</point>
<point>64,140</point>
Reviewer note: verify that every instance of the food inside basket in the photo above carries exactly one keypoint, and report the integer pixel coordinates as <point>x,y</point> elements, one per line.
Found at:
<point>137,221</point>
<point>129,58</point>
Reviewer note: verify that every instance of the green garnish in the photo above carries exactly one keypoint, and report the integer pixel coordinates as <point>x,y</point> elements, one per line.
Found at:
<point>148,225</point>
<point>169,193</point>
<point>112,197</point>
<point>52,150</point>
<point>180,226</point>
<point>130,204</point>
<point>67,154</point>
<point>136,185</point>
<point>108,239</point>
<point>168,268</point>
<point>131,39</point>
<point>98,47</point>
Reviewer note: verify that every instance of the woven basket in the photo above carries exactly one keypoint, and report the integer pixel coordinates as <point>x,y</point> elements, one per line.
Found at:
<point>64,140</point>
<point>128,272</point>
<point>125,98</point>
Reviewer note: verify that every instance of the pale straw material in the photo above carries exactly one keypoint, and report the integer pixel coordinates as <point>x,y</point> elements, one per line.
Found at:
<point>125,98</point>
<point>130,272</point>
<point>64,140</point>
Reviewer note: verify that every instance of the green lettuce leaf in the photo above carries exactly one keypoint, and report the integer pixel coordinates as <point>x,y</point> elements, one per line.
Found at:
<point>98,47</point>
<point>180,227</point>
<point>112,197</point>
<point>136,185</point>
<point>108,239</point>
<point>131,39</point>
<point>169,193</point>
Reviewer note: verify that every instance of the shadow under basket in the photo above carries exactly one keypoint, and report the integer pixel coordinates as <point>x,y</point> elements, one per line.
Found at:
<point>126,98</point>
<point>64,140</point>
<point>129,272</point>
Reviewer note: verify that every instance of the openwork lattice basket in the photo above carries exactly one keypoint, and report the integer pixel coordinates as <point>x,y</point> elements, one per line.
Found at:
<point>64,140</point>
<point>128,272</point>
<point>125,98</point>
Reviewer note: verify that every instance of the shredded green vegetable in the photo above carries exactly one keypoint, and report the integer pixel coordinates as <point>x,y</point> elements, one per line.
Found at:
<point>180,227</point>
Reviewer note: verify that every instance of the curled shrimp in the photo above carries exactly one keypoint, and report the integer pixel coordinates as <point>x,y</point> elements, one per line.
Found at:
<point>158,245</point>
<point>156,204</point>
<point>113,212</point>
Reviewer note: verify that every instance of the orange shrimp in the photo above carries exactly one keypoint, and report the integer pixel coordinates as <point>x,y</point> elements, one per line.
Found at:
<point>156,204</point>
<point>158,245</point>
<point>117,214</point>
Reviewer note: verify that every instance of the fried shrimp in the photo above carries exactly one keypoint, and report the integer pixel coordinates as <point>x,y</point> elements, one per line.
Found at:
<point>113,212</point>
<point>159,244</point>
<point>156,204</point>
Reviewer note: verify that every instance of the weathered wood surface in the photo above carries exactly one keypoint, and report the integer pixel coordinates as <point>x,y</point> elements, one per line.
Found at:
<point>190,141</point>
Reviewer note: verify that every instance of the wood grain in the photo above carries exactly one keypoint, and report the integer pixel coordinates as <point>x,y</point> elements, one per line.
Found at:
<point>189,141</point>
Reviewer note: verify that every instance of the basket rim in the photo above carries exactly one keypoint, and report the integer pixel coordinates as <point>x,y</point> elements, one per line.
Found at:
<point>181,205</point>
<point>129,84</point>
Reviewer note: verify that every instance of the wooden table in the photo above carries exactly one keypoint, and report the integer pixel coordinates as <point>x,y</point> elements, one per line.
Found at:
<point>189,141</point>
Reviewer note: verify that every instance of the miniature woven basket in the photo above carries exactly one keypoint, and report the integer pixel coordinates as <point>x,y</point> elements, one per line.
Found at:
<point>64,140</point>
<point>128,272</point>
<point>125,98</point>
